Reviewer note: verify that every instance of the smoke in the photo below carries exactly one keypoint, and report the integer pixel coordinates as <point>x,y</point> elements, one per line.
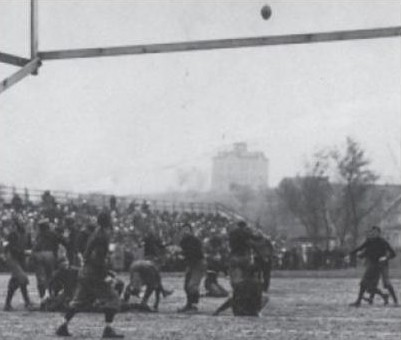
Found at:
<point>191,179</point>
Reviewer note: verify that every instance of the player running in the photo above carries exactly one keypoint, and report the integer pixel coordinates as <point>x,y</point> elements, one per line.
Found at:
<point>92,283</point>
<point>385,271</point>
<point>376,252</point>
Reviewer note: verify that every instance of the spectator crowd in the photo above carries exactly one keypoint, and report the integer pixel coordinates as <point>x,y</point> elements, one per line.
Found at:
<point>135,223</point>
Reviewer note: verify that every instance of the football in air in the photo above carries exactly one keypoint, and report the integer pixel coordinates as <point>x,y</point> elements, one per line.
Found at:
<point>266,12</point>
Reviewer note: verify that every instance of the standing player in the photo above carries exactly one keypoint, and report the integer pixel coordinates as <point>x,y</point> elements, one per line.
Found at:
<point>154,248</point>
<point>72,241</point>
<point>377,252</point>
<point>215,260</point>
<point>192,251</point>
<point>15,255</point>
<point>44,254</point>
<point>263,254</point>
<point>240,271</point>
<point>240,252</point>
<point>384,269</point>
<point>246,299</point>
<point>92,283</point>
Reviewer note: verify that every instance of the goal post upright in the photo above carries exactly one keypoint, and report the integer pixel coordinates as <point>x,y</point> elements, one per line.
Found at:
<point>34,32</point>
<point>27,66</point>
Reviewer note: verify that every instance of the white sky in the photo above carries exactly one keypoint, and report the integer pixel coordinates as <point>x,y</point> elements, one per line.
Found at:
<point>131,124</point>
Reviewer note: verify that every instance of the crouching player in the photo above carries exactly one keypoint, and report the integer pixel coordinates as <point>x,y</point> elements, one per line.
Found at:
<point>145,273</point>
<point>92,283</point>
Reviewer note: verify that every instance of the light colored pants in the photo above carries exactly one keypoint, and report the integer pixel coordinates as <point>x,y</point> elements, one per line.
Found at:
<point>45,264</point>
<point>17,272</point>
<point>193,278</point>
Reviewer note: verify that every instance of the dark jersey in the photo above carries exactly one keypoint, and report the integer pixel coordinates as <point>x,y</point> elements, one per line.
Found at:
<point>97,249</point>
<point>191,248</point>
<point>49,241</point>
<point>82,240</point>
<point>153,247</point>
<point>239,240</point>
<point>375,248</point>
<point>262,248</point>
<point>72,242</point>
<point>16,246</point>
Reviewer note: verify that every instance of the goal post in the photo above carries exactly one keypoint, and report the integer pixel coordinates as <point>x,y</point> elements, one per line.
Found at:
<point>30,66</point>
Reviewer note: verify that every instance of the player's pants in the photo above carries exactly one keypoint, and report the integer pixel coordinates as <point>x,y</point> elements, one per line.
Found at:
<point>212,286</point>
<point>385,275</point>
<point>18,279</point>
<point>264,268</point>
<point>18,274</point>
<point>371,276</point>
<point>45,264</point>
<point>193,277</point>
<point>238,269</point>
<point>247,298</point>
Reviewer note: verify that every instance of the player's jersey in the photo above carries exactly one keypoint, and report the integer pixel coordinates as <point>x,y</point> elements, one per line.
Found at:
<point>239,241</point>
<point>16,246</point>
<point>49,241</point>
<point>375,248</point>
<point>191,248</point>
<point>96,252</point>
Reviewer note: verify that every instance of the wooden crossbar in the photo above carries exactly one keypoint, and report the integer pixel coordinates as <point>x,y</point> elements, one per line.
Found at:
<point>375,33</point>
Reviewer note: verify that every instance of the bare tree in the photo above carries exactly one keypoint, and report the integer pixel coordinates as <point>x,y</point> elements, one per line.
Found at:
<point>353,201</point>
<point>306,198</point>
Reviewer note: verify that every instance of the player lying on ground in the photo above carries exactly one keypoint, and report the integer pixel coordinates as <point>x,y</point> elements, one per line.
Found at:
<point>145,273</point>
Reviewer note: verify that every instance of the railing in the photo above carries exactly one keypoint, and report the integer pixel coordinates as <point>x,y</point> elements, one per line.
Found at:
<point>35,195</point>
<point>98,199</point>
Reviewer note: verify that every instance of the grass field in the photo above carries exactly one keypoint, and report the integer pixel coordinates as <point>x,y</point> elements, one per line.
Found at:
<point>300,308</point>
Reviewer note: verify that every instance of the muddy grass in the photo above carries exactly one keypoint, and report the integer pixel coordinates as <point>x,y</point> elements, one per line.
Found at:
<point>299,309</point>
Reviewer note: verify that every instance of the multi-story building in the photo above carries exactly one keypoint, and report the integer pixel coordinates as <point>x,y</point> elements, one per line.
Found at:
<point>239,167</point>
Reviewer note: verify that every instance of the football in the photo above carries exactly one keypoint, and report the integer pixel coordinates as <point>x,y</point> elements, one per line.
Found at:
<point>266,12</point>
